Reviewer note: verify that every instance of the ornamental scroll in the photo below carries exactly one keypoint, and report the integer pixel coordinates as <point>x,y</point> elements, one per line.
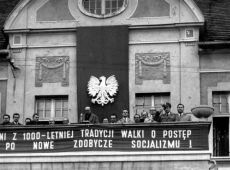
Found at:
<point>53,69</point>
<point>152,66</point>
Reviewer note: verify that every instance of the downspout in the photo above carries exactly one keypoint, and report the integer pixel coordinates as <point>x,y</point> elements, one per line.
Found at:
<point>180,46</point>
<point>213,166</point>
<point>25,74</point>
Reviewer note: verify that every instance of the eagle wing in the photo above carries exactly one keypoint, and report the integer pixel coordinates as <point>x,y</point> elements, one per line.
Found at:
<point>111,85</point>
<point>93,86</point>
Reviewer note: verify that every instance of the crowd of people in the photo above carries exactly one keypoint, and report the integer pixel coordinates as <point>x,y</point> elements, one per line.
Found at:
<point>160,114</point>
<point>28,121</point>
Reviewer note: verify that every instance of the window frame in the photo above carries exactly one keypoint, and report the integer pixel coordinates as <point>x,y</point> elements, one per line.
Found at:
<point>220,114</point>
<point>103,8</point>
<point>53,107</point>
<point>139,108</point>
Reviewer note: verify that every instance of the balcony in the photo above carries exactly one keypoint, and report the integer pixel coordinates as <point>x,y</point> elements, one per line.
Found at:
<point>106,146</point>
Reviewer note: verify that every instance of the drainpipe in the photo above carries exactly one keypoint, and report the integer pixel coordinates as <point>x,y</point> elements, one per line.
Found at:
<point>6,53</point>
<point>213,166</point>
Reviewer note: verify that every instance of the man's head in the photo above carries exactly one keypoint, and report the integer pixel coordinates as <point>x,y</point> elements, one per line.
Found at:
<point>105,120</point>
<point>51,122</point>
<point>167,107</point>
<point>113,118</point>
<point>144,115</point>
<point>125,113</point>
<point>16,117</point>
<point>137,118</point>
<point>87,110</point>
<point>35,117</point>
<point>65,121</point>
<point>180,108</point>
<point>6,118</point>
<point>27,120</point>
<point>152,111</point>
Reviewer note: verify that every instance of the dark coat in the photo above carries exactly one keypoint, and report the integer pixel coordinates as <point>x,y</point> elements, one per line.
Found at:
<point>172,117</point>
<point>92,119</point>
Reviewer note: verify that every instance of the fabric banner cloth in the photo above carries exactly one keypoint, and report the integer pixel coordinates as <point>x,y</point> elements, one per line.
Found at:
<point>106,137</point>
<point>102,51</point>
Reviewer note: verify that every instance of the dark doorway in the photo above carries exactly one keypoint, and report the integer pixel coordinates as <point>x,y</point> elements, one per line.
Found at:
<point>221,136</point>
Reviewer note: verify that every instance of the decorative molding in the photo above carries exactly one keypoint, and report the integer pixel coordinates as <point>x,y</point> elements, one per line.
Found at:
<point>52,69</point>
<point>101,16</point>
<point>152,66</point>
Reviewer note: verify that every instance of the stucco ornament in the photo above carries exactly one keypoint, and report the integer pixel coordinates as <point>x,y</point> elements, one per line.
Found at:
<point>102,90</point>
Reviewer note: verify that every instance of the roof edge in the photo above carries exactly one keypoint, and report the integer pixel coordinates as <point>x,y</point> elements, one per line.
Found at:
<point>196,10</point>
<point>14,13</point>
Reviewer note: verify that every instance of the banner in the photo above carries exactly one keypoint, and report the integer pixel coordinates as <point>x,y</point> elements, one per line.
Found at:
<point>75,138</point>
<point>103,51</point>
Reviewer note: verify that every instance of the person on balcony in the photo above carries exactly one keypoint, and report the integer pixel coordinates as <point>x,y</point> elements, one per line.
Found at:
<point>125,119</point>
<point>144,116</point>
<point>35,120</point>
<point>137,118</point>
<point>16,117</point>
<point>105,120</point>
<point>183,117</point>
<point>167,115</point>
<point>113,118</point>
<point>27,121</point>
<point>6,120</point>
<point>154,116</point>
<point>89,117</point>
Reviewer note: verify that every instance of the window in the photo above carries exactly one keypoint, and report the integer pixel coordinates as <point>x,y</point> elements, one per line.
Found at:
<point>220,101</point>
<point>102,8</point>
<point>17,40</point>
<point>144,101</point>
<point>51,106</point>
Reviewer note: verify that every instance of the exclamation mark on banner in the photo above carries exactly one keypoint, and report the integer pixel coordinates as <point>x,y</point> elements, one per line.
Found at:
<point>190,143</point>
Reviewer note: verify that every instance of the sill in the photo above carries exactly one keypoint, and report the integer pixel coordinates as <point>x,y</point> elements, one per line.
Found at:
<point>221,158</point>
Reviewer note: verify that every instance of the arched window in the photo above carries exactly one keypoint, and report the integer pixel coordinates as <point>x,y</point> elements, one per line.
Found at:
<point>102,8</point>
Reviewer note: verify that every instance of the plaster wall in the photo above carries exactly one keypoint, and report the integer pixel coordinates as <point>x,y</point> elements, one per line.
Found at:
<point>140,41</point>
<point>178,12</point>
<point>184,65</point>
<point>215,76</point>
<point>22,99</point>
<point>148,34</point>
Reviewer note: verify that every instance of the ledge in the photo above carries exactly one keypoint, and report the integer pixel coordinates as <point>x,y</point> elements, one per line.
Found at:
<point>105,157</point>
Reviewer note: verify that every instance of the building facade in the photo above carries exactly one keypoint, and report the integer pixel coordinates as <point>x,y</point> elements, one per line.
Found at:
<point>171,56</point>
<point>162,54</point>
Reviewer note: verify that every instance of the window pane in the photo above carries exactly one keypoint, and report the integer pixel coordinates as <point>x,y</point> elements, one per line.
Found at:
<point>220,102</point>
<point>48,108</point>
<point>95,6</point>
<point>224,103</point>
<point>216,98</point>
<point>40,108</point>
<point>148,101</point>
<point>43,106</point>
<point>58,108</point>
<point>139,101</point>
<point>144,101</point>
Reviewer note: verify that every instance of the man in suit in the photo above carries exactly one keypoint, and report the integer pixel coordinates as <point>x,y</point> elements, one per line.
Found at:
<point>183,117</point>
<point>89,117</point>
<point>35,120</point>
<point>6,120</point>
<point>16,117</point>
<point>125,119</point>
<point>167,115</point>
<point>137,118</point>
<point>113,118</point>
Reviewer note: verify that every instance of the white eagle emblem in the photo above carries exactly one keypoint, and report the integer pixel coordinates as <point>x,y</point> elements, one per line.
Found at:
<point>102,89</point>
